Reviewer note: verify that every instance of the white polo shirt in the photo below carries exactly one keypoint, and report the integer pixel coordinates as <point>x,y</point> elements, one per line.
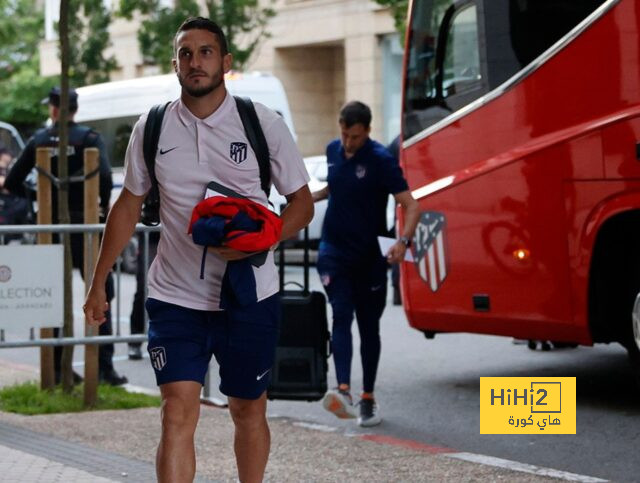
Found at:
<point>191,153</point>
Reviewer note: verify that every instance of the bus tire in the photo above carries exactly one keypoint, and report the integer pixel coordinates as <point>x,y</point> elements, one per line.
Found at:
<point>615,281</point>
<point>633,347</point>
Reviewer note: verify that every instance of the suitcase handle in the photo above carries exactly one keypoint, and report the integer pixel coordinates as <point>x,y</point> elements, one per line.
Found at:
<point>305,262</point>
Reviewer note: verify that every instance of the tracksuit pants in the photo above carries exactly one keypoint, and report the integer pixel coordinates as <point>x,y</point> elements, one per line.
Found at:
<point>359,290</point>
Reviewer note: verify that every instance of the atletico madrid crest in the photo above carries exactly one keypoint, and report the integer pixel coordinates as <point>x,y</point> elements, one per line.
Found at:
<point>158,357</point>
<point>430,256</point>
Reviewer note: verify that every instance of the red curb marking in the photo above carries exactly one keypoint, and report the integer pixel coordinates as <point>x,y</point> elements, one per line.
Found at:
<point>406,443</point>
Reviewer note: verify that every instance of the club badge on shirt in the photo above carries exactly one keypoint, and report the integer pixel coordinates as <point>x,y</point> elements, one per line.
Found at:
<point>361,171</point>
<point>238,152</point>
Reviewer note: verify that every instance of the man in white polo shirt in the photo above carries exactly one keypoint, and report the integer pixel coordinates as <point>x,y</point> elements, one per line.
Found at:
<point>186,324</point>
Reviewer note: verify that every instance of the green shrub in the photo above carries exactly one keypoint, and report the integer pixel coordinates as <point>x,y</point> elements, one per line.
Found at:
<point>29,399</point>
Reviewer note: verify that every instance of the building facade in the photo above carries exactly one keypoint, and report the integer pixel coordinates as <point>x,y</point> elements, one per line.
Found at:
<point>325,52</point>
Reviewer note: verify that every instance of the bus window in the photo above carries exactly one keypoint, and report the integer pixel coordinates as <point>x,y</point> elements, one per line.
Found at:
<point>537,24</point>
<point>461,58</point>
<point>518,31</point>
<point>443,67</point>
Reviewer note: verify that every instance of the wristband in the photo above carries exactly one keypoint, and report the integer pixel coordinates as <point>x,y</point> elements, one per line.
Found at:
<point>406,241</point>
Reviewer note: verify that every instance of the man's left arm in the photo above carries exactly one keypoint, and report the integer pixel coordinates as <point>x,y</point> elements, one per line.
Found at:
<point>411,210</point>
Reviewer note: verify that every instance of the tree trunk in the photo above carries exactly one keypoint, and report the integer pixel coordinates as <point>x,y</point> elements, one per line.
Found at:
<point>63,194</point>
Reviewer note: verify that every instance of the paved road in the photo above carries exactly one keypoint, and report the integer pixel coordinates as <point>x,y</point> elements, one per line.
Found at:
<point>429,392</point>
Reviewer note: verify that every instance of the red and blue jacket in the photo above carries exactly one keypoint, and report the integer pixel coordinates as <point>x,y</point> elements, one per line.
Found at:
<point>243,225</point>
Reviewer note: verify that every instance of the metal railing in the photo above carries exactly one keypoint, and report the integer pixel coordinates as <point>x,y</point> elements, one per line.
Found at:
<point>91,230</point>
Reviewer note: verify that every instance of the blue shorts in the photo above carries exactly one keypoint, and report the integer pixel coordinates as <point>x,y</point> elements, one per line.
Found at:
<point>182,340</point>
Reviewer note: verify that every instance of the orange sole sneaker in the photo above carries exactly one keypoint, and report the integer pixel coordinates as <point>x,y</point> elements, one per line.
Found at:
<point>338,404</point>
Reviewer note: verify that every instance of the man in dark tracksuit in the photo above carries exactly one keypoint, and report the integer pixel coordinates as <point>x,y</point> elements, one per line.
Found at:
<point>80,137</point>
<point>353,271</point>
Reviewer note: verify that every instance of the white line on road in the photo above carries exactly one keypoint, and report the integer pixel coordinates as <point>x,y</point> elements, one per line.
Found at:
<point>522,467</point>
<point>315,426</point>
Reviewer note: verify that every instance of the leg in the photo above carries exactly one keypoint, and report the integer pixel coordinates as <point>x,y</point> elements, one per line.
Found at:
<point>371,293</point>
<point>252,439</point>
<point>105,351</point>
<point>106,370</point>
<point>137,310</point>
<point>180,357</point>
<point>176,456</point>
<point>339,289</point>
<point>395,283</point>
<point>244,343</point>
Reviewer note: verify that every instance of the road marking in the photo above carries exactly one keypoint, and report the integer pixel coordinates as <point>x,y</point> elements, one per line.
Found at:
<point>523,467</point>
<point>405,443</point>
<point>316,427</point>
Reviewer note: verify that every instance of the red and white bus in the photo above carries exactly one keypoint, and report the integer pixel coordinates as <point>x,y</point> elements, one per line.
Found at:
<point>521,132</point>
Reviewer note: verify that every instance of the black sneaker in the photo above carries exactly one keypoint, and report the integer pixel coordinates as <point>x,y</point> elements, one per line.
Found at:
<point>369,415</point>
<point>339,402</point>
<point>113,378</point>
<point>135,352</point>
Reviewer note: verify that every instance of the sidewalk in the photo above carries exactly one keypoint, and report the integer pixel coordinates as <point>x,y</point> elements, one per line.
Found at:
<point>120,446</point>
<point>102,446</point>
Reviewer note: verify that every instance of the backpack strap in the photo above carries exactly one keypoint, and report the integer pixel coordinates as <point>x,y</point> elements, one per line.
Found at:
<point>256,138</point>
<point>149,148</point>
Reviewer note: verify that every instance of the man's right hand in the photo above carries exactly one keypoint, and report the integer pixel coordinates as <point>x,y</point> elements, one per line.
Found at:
<point>95,306</point>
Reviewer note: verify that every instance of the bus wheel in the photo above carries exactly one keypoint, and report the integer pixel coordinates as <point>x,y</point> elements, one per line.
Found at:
<point>633,347</point>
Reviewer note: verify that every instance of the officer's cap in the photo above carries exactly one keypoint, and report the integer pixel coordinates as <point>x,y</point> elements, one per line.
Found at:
<point>54,98</point>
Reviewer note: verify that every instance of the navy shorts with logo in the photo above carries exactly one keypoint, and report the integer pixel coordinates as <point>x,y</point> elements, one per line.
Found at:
<point>182,340</point>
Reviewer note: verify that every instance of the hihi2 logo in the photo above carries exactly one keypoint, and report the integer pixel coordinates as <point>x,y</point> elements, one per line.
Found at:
<point>527,405</point>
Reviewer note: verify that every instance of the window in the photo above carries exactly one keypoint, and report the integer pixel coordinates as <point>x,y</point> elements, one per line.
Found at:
<point>461,58</point>
<point>443,69</point>
<point>518,31</point>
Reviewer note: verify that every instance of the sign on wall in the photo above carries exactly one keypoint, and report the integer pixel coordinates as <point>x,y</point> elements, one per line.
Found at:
<point>31,286</point>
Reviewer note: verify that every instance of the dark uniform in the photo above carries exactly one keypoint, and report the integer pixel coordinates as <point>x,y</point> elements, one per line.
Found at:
<point>350,264</point>
<point>80,137</point>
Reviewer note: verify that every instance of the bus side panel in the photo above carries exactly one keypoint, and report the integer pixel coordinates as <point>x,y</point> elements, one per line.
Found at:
<point>622,147</point>
<point>516,210</point>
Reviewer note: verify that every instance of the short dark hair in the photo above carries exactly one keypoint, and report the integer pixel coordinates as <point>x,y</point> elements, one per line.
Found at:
<point>202,23</point>
<point>355,112</point>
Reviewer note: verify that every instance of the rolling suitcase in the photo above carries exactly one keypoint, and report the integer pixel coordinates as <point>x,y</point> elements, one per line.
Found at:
<point>300,368</point>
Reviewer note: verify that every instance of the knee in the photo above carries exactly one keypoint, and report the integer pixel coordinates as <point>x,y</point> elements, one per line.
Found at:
<point>248,414</point>
<point>342,313</point>
<point>178,416</point>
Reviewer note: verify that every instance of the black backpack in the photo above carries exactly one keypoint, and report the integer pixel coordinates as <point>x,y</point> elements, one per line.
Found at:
<point>151,207</point>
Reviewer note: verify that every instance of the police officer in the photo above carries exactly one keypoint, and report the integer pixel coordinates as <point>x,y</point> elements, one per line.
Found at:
<point>80,137</point>
<point>361,176</point>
